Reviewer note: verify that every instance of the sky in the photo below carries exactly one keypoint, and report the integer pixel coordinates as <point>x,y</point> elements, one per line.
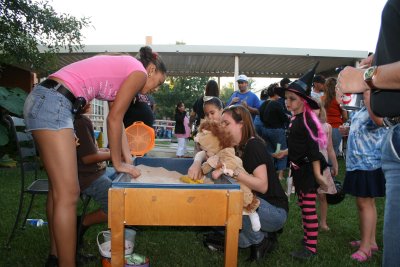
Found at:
<point>322,24</point>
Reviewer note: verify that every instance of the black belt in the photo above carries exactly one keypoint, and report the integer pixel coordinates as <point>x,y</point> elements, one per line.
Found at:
<point>59,88</point>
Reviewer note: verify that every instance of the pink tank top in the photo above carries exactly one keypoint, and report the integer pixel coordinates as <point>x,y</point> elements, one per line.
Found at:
<point>98,77</point>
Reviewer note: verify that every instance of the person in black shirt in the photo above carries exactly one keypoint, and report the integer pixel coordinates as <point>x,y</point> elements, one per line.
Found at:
<point>274,119</point>
<point>262,179</point>
<point>139,110</point>
<point>305,137</point>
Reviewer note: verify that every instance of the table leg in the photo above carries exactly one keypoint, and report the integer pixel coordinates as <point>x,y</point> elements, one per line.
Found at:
<point>116,213</point>
<point>233,225</point>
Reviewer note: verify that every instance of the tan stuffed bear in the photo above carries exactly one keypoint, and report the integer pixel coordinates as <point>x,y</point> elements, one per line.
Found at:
<point>217,143</point>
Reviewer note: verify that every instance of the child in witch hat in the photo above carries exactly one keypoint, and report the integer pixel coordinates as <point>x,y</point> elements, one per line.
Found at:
<point>305,137</point>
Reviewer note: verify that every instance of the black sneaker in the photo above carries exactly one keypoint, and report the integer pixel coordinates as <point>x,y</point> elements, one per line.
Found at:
<point>80,231</point>
<point>83,259</point>
<point>214,241</point>
<point>303,254</point>
<point>258,251</point>
<point>52,261</point>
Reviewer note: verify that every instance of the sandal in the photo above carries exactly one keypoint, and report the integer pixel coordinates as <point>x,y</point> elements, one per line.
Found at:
<point>356,244</point>
<point>361,256</point>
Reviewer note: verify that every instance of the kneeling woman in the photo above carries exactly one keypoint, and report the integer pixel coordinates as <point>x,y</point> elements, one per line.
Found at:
<point>262,180</point>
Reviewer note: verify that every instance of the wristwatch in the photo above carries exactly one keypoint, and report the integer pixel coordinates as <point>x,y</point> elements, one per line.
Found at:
<point>369,75</point>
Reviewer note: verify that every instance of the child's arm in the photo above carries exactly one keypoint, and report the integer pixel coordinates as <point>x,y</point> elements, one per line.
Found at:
<point>194,171</point>
<point>97,157</point>
<point>321,180</point>
<point>280,154</point>
<point>331,153</point>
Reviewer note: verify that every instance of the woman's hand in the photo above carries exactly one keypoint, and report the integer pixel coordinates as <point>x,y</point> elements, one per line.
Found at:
<point>128,168</point>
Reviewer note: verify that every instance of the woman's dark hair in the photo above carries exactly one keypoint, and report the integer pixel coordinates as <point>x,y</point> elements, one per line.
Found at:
<point>264,94</point>
<point>212,88</point>
<point>180,103</point>
<point>330,93</point>
<point>271,89</point>
<point>147,56</point>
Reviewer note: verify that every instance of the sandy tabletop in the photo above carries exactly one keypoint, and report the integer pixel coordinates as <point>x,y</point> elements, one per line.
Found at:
<point>157,175</point>
<point>160,175</point>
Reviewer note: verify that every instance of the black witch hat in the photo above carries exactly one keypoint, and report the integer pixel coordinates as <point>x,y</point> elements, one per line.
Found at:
<point>302,87</point>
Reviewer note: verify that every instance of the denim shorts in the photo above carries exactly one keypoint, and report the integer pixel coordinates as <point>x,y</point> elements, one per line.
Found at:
<point>46,109</point>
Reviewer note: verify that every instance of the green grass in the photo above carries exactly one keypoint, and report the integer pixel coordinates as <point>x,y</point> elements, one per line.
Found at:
<point>182,246</point>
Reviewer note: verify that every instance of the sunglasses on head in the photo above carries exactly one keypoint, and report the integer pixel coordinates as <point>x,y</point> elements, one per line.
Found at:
<point>235,112</point>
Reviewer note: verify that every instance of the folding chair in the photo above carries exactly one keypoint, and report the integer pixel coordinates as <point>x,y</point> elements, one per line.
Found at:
<point>29,164</point>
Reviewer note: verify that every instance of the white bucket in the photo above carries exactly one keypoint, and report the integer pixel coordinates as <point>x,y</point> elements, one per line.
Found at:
<point>130,235</point>
<point>105,247</point>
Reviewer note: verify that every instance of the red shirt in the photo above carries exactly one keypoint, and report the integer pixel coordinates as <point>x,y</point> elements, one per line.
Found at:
<point>334,113</point>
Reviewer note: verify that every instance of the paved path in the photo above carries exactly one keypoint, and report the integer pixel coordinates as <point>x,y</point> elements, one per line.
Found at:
<point>167,151</point>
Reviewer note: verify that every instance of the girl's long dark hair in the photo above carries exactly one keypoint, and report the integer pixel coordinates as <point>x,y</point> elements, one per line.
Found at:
<point>330,93</point>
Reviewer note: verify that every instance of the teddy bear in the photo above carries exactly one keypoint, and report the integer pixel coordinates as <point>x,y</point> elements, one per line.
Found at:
<point>221,158</point>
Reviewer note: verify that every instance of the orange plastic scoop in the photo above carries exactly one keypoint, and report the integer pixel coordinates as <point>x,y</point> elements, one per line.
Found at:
<point>141,138</point>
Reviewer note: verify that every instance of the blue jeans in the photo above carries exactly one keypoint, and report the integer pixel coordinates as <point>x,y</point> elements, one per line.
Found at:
<point>98,189</point>
<point>272,137</point>
<point>336,139</point>
<point>272,219</point>
<point>391,169</point>
<point>258,124</point>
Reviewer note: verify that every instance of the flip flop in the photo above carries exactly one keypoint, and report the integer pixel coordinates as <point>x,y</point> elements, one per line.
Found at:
<point>356,244</point>
<point>361,256</point>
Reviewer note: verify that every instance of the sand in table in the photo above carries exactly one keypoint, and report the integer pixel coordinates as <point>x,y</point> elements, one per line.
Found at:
<point>157,175</point>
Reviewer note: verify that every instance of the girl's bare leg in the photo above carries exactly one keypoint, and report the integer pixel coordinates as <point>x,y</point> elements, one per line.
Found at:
<point>323,211</point>
<point>58,153</point>
<point>49,209</point>
<point>367,213</point>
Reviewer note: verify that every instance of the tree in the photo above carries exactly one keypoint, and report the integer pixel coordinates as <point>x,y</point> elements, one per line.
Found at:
<point>226,92</point>
<point>25,25</point>
<point>185,89</point>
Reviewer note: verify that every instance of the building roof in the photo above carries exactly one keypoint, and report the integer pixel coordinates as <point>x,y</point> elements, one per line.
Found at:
<point>219,61</point>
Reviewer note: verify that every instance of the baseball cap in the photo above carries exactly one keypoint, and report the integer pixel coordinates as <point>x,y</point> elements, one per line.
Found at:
<point>319,79</point>
<point>242,77</point>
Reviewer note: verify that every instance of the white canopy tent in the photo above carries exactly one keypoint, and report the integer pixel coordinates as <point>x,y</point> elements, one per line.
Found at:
<point>229,61</point>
